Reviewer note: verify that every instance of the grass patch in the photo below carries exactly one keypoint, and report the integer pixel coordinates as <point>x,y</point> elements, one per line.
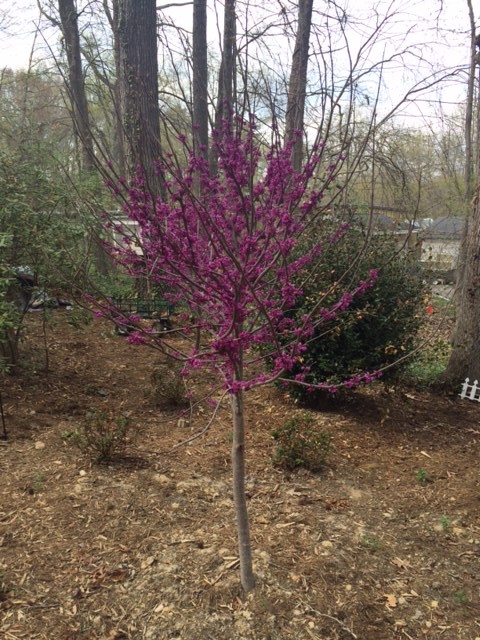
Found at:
<point>429,364</point>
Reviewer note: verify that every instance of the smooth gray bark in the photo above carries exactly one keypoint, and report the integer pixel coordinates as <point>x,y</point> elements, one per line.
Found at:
<point>238,465</point>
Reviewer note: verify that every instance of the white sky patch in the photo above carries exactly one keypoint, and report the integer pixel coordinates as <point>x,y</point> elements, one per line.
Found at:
<point>434,38</point>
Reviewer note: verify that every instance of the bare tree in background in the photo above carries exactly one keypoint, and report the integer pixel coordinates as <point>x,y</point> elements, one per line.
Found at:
<point>297,86</point>
<point>118,145</point>
<point>76,81</point>
<point>200,78</point>
<point>226,75</point>
<point>136,33</point>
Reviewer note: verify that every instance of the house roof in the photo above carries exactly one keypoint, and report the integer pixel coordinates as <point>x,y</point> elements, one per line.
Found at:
<point>376,221</point>
<point>444,229</point>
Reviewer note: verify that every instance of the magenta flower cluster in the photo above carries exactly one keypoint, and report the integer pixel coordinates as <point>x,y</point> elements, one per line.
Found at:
<point>226,248</point>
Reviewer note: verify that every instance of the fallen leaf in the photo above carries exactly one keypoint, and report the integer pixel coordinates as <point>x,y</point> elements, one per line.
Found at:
<point>391,600</point>
<point>401,564</point>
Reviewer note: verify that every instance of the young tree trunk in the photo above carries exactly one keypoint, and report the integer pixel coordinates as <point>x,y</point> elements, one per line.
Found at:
<point>238,466</point>
<point>297,86</point>
<point>76,86</point>
<point>200,79</point>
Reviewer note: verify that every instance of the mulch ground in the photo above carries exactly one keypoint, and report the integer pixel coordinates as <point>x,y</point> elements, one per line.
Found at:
<point>384,543</point>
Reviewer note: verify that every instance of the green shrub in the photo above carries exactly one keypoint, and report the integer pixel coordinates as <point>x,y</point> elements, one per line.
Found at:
<point>168,387</point>
<point>101,435</point>
<point>299,443</point>
<point>80,318</point>
<point>379,326</point>
<point>10,317</point>
<point>425,369</point>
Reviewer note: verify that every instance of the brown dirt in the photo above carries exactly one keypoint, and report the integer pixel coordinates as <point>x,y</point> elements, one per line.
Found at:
<point>145,547</point>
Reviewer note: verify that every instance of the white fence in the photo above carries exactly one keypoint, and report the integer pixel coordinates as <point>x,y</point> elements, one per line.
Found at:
<point>470,391</point>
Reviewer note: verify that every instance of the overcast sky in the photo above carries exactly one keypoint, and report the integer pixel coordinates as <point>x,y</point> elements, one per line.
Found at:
<point>449,46</point>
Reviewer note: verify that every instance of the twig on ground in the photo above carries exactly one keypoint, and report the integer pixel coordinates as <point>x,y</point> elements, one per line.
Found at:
<point>344,626</point>
<point>4,435</point>
<point>339,622</point>
<point>202,431</point>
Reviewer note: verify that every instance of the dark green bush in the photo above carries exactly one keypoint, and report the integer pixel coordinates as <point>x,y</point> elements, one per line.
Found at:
<point>378,328</point>
<point>299,443</point>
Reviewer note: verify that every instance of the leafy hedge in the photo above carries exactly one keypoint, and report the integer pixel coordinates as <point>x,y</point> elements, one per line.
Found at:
<point>378,327</point>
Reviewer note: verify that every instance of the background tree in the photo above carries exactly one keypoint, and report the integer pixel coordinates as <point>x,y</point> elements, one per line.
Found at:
<point>136,33</point>
<point>465,356</point>
<point>200,78</point>
<point>226,73</point>
<point>76,85</point>
<point>297,86</point>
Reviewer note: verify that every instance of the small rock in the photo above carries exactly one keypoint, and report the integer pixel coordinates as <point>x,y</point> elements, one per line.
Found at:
<point>39,445</point>
<point>82,472</point>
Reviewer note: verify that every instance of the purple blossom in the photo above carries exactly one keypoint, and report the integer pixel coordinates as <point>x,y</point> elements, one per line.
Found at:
<point>230,254</point>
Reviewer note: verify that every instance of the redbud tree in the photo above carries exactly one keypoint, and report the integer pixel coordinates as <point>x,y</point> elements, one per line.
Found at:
<point>226,249</point>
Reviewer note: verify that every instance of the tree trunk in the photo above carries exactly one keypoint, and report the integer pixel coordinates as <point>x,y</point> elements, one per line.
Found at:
<point>80,116</point>
<point>297,86</point>
<point>465,356</point>
<point>118,140</point>
<point>9,355</point>
<point>226,76</point>
<point>200,79</point>
<point>469,168</point>
<point>136,30</point>
<point>238,466</point>
<point>76,87</point>
<point>227,68</point>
